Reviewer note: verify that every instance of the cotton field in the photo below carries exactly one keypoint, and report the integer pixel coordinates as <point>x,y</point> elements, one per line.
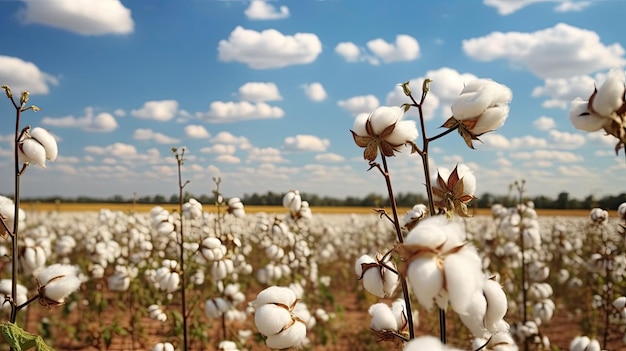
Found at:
<point>259,281</point>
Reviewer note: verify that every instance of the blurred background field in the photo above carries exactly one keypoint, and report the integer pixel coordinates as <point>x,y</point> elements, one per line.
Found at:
<point>73,207</point>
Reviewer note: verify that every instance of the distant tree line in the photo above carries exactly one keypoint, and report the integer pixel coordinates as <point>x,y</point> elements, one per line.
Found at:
<point>562,201</point>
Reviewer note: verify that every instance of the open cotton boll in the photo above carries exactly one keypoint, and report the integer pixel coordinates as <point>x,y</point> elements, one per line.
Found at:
<point>47,141</point>
<point>492,119</point>
<point>475,313</point>
<point>463,275</point>
<point>163,346</point>
<point>429,343</point>
<point>583,119</point>
<point>31,151</point>
<point>426,279</point>
<point>497,305</point>
<point>58,281</point>
<point>271,319</point>
<point>382,317</point>
<point>430,232</point>
<point>609,95</point>
<point>383,117</point>
<point>358,127</point>
<point>289,337</point>
<point>275,294</point>
<point>579,343</point>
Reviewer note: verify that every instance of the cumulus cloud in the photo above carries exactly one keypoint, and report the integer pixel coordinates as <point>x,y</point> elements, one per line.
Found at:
<point>228,138</point>
<point>85,17</point>
<point>221,149</point>
<point>196,131</point>
<point>500,142</point>
<point>315,91</point>
<point>228,159</point>
<point>566,140</point>
<point>269,48</point>
<point>22,75</point>
<point>261,10</point>
<point>446,86</point>
<point>405,48</point>
<point>359,104</point>
<point>162,110</point>
<point>544,123</point>
<point>349,51</point>
<point>302,142</point>
<point>120,150</point>
<point>329,157</point>
<point>229,112</point>
<point>265,155</point>
<point>257,91</point>
<point>558,52</point>
<point>149,134</point>
<point>561,91</point>
<point>551,155</point>
<point>102,122</point>
<point>507,7</point>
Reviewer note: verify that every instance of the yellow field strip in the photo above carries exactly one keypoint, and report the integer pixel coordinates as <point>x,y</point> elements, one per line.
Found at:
<point>77,207</point>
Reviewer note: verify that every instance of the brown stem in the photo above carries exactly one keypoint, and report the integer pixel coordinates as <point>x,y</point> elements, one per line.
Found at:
<point>16,213</point>
<point>181,186</point>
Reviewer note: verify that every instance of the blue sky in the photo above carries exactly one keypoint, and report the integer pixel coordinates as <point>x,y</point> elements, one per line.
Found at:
<point>263,94</point>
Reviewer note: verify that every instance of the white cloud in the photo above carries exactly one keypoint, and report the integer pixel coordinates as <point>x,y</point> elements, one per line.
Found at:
<point>507,7</point>
<point>102,122</point>
<point>257,91</point>
<point>85,17</point>
<point>119,112</point>
<point>306,143</point>
<point>149,134</point>
<point>228,159</point>
<point>329,157</point>
<point>572,6</point>
<point>544,123</point>
<point>553,155</point>
<point>405,48</point>
<point>349,51</point>
<point>500,142</point>
<point>269,48</point>
<point>566,140</point>
<point>561,91</point>
<point>557,52</point>
<point>162,110</point>
<point>221,149</point>
<point>265,155</point>
<point>120,150</point>
<point>445,87</point>
<point>22,75</point>
<point>228,138</point>
<point>315,91</point>
<point>196,131</point>
<point>261,10</point>
<point>359,104</point>
<point>229,112</point>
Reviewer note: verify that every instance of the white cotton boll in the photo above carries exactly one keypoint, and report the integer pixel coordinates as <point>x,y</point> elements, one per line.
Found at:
<point>227,345</point>
<point>403,132</point>
<point>430,232</point>
<point>384,117</point>
<point>292,200</point>
<point>47,141</point>
<point>463,275</point>
<point>58,281</point>
<point>382,317</point>
<point>497,305</point>
<point>398,308</point>
<point>429,343</point>
<point>358,126</point>
<point>620,303</point>
<point>503,342</point>
<point>471,104</point>
<point>5,290</point>
<point>475,314</point>
<point>275,294</point>
<point>609,95</point>
<point>163,346</point>
<point>31,151</point>
<point>469,179</point>
<point>579,343</point>
<point>214,308</point>
<point>492,119</point>
<point>583,119</point>
<point>165,228</point>
<point>426,280</point>
<point>274,252</point>
<point>289,337</point>
<point>270,319</point>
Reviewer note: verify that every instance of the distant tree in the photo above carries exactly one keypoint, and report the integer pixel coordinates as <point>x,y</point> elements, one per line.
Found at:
<point>173,199</point>
<point>158,199</point>
<point>562,200</point>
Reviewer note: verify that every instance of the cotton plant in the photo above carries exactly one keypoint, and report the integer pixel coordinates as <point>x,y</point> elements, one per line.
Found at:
<point>439,266</point>
<point>604,109</point>
<point>56,282</point>
<point>275,318</point>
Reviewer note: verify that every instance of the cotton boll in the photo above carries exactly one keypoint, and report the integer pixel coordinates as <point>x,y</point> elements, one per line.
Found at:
<point>382,318</point>
<point>426,280</point>
<point>579,343</point>
<point>475,314</point>
<point>270,319</point>
<point>31,151</point>
<point>47,141</point>
<point>429,343</point>
<point>431,232</point>
<point>463,275</point>
<point>496,305</point>
<point>608,97</point>
<point>275,294</point>
<point>384,117</point>
<point>289,337</point>
<point>583,119</point>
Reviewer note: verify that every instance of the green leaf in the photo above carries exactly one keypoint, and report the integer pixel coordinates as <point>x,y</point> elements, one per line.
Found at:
<point>19,339</point>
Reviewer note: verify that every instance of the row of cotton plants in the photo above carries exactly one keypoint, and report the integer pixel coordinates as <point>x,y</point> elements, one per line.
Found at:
<point>270,277</point>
